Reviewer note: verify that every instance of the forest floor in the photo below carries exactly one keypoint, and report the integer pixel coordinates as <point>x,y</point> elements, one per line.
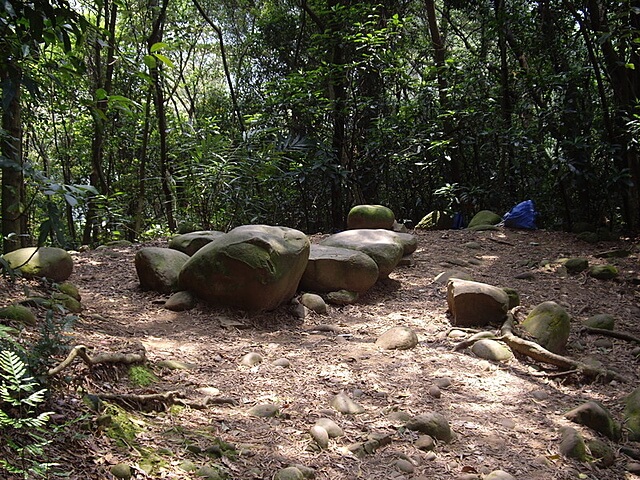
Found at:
<point>504,416</point>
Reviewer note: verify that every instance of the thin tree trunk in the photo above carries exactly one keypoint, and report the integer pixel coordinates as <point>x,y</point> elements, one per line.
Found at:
<point>12,197</point>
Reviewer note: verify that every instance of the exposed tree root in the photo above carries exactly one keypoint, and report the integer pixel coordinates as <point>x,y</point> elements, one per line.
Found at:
<point>612,333</point>
<point>540,354</point>
<point>81,351</point>
<point>160,401</point>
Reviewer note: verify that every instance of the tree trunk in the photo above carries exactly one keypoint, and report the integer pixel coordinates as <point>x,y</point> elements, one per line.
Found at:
<point>12,175</point>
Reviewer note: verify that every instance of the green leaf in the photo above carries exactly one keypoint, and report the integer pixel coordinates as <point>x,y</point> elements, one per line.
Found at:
<point>150,61</point>
<point>630,66</point>
<point>164,59</point>
<point>158,46</point>
<point>101,94</point>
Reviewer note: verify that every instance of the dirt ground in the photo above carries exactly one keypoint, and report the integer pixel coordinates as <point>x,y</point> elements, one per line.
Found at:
<point>505,416</point>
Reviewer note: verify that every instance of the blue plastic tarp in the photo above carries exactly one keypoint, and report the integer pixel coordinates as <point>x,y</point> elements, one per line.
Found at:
<point>523,215</point>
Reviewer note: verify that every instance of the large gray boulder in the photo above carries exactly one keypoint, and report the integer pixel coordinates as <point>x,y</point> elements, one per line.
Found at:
<point>331,269</point>
<point>370,216</point>
<point>475,303</point>
<point>158,268</point>
<point>191,242</point>
<point>53,263</point>
<point>385,247</point>
<point>253,267</point>
<point>632,415</point>
<point>550,325</point>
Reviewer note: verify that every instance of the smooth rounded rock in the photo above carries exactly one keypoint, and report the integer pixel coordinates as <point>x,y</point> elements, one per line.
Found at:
<point>397,338</point>
<point>34,262</point>
<point>320,436</point>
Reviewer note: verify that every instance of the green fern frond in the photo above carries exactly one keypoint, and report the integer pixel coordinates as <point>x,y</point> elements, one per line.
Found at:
<point>12,368</point>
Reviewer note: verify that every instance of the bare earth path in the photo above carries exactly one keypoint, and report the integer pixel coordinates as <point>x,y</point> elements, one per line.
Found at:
<point>504,416</point>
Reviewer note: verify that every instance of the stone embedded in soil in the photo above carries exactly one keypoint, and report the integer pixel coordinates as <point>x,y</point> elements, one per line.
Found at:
<point>180,301</point>
<point>572,444</point>
<point>121,470</point>
<point>443,382</point>
<point>435,391</point>
<point>314,303</point>
<point>342,297</point>
<point>251,359</point>
<point>282,362</point>
<point>433,424</point>
<point>343,404</point>
<point>405,465</point>
<point>264,410</point>
<point>633,467</point>
<point>596,417</point>
<point>210,473</point>
<point>604,321</point>
<point>320,435</point>
<point>602,453</point>
<point>425,443</point>
<point>492,350</point>
<point>603,272</point>
<point>332,429</point>
<point>397,338</point>
<point>174,365</point>
<point>289,473</point>
<point>499,475</point>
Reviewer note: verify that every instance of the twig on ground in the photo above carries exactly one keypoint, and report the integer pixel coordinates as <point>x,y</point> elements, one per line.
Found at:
<point>81,351</point>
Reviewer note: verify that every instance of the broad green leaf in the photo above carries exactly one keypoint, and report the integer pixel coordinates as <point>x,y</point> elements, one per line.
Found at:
<point>158,46</point>
<point>150,61</point>
<point>164,59</point>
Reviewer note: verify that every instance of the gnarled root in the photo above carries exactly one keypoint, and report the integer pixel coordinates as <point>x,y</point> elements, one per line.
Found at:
<point>81,351</point>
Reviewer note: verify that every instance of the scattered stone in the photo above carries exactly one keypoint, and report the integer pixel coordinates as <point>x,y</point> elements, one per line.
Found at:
<point>433,424</point>
<point>589,237</point>
<point>540,395</point>
<point>632,415</point>
<point>210,473</point>
<point>180,301</point>
<point>397,338</point>
<point>614,253</point>
<point>174,365</point>
<point>499,475</point>
<point>70,289</point>
<point>525,276</point>
<point>604,343</point>
<point>549,324</point>
<point>251,359</point>
<point>158,268</point>
<point>332,429</point>
<point>121,470</point>
<point>430,456</point>
<point>307,472</point>
<point>343,404</point>
<point>342,297</point>
<point>18,313</point>
<point>188,466</point>
<point>425,443</point>
<point>603,272</point>
<point>435,220</point>
<point>320,435</point>
<point>576,265</point>
<point>405,466</point>
<point>472,245</point>
<point>514,297</point>
<point>604,321</point>
<point>492,350</point>
<point>484,218</point>
<point>572,444</point>
<point>633,467</point>
<point>264,410</point>
<point>443,277</point>
<point>399,417</point>
<point>314,303</point>
<point>601,452</point>
<point>435,391</point>
<point>370,216</point>
<point>443,382</point>
<point>475,304</point>
<point>282,362</point>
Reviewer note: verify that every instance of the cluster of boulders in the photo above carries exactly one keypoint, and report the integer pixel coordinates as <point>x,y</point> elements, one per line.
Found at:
<point>260,267</point>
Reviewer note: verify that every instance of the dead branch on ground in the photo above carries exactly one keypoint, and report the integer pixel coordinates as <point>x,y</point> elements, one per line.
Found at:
<point>81,351</point>
<point>611,333</point>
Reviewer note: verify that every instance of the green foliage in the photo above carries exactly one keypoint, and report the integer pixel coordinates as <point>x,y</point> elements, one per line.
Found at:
<point>141,376</point>
<point>22,428</point>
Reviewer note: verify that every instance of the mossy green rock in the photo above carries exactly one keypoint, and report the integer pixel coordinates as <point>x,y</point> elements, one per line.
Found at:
<point>158,268</point>
<point>550,325</point>
<point>603,272</point>
<point>370,216</point>
<point>68,302</point>
<point>576,265</point>
<point>253,267</point>
<point>485,217</point>
<point>50,262</point>
<point>18,313</point>
<point>603,321</point>
<point>121,470</point>
<point>190,243</point>
<point>514,297</point>
<point>436,220</point>
<point>596,417</point>
<point>289,473</point>
<point>70,289</point>
<point>632,415</point>
<point>572,444</point>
